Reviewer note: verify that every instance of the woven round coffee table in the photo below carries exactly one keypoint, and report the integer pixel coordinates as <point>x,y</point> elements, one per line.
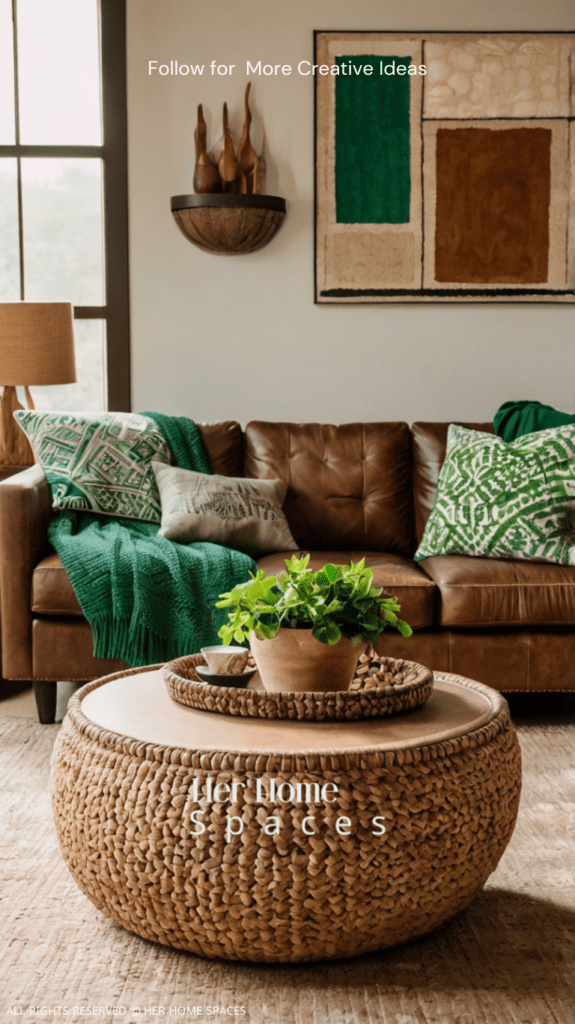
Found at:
<point>275,840</point>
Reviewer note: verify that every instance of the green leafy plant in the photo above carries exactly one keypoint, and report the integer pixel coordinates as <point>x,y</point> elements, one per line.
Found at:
<point>335,600</point>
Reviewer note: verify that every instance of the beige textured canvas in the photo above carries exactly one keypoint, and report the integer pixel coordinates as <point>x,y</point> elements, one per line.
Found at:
<point>372,258</point>
<point>492,81</point>
<point>497,76</point>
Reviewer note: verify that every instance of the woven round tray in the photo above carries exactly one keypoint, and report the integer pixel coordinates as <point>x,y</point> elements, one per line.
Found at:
<point>384,686</point>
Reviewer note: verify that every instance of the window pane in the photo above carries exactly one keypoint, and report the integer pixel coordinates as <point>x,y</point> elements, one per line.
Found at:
<point>59,72</point>
<point>7,136</point>
<point>87,394</point>
<point>9,255</point>
<point>63,246</point>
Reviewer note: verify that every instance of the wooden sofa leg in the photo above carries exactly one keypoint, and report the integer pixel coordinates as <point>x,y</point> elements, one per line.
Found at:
<point>45,692</point>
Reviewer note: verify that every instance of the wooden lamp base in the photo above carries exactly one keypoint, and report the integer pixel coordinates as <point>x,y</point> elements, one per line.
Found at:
<point>15,449</point>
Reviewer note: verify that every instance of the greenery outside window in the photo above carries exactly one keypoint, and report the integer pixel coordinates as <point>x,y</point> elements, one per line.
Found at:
<point>63,182</point>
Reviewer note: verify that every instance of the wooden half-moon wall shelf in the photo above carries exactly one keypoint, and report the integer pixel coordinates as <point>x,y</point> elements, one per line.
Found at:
<point>228,223</point>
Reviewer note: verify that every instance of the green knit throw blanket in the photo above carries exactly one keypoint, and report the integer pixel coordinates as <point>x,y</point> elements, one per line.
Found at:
<point>514,419</point>
<point>146,598</point>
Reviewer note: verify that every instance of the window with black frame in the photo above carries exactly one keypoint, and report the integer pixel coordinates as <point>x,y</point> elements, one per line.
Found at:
<point>63,187</point>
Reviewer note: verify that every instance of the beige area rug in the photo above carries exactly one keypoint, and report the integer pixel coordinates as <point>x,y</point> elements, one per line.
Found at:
<point>508,959</point>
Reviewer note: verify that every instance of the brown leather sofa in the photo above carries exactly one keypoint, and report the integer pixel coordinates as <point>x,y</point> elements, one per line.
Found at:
<point>356,490</point>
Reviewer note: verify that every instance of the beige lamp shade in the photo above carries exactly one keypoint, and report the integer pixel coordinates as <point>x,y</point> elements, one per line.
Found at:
<point>36,343</point>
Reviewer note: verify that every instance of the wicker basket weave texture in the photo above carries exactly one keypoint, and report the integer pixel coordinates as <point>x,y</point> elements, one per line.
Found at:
<point>185,687</point>
<point>121,813</point>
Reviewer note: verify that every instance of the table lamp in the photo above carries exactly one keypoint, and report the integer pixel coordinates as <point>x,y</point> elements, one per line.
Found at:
<point>36,347</point>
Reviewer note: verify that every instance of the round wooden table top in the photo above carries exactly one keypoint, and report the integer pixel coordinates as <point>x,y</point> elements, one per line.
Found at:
<point>140,707</point>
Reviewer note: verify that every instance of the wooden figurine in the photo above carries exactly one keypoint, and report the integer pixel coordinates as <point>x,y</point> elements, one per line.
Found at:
<point>248,159</point>
<point>206,176</point>
<point>227,164</point>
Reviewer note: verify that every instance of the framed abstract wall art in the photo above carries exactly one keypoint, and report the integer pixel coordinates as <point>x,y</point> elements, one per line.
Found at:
<point>445,167</point>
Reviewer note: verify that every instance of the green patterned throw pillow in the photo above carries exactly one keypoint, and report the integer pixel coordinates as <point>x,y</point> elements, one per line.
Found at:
<point>100,462</point>
<point>499,500</point>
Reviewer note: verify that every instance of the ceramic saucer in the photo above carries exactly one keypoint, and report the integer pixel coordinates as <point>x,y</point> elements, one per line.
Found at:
<point>219,679</point>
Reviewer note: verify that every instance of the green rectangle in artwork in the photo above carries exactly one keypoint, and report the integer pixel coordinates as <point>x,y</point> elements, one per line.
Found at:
<point>372,171</point>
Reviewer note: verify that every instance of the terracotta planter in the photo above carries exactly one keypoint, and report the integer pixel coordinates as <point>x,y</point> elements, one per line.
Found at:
<point>295,662</point>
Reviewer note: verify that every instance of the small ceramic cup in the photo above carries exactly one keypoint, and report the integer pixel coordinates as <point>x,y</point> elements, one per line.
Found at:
<point>226,660</point>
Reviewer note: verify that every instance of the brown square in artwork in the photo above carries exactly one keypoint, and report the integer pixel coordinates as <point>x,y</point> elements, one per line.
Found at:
<point>492,213</point>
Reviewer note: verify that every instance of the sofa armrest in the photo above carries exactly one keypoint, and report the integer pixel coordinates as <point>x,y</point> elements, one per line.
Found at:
<point>25,511</point>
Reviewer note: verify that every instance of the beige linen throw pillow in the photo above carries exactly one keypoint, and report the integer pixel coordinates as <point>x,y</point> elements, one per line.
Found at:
<point>242,514</point>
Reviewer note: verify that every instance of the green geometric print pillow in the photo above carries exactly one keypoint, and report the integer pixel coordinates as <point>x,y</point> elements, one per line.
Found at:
<point>499,500</point>
<point>100,462</point>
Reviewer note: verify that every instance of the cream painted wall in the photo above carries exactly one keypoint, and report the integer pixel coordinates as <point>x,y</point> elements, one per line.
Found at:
<point>219,337</point>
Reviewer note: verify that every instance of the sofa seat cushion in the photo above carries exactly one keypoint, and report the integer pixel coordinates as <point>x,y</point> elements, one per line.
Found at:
<point>52,592</point>
<point>398,576</point>
<point>486,592</point>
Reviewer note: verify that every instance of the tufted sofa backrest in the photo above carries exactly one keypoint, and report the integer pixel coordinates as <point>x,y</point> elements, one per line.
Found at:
<point>349,486</point>
<point>357,486</point>
<point>224,446</point>
<point>429,446</point>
